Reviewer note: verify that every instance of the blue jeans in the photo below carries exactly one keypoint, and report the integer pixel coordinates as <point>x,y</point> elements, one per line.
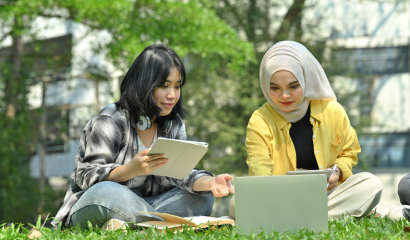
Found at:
<point>106,200</point>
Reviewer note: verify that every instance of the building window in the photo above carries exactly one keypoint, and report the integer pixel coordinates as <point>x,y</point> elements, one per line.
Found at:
<point>377,61</point>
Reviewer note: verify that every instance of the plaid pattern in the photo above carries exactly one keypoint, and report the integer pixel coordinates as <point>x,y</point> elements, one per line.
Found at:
<point>108,141</point>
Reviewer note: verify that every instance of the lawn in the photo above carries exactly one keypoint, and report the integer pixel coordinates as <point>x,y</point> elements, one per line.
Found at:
<point>351,228</point>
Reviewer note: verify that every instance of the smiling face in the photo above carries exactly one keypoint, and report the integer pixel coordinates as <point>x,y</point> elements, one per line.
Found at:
<point>285,90</point>
<point>168,95</point>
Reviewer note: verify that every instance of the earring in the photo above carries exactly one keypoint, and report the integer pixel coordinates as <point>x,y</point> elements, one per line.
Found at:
<point>144,123</point>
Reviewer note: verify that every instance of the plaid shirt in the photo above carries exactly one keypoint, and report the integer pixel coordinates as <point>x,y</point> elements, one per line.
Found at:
<point>108,141</point>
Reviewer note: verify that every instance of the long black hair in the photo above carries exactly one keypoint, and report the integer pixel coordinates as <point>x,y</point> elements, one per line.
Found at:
<point>149,71</point>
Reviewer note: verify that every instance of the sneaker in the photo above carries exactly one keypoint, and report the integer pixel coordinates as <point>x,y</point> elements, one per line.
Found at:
<point>399,213</point>
<point>114,224</point>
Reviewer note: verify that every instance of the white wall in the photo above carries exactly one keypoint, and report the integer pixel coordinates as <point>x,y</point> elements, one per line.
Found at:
<point>355,18</point>
<point>57,164</point>
<point>391,106</point>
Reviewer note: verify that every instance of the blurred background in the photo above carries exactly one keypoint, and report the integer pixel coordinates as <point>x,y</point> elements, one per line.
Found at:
<point>62,61</point>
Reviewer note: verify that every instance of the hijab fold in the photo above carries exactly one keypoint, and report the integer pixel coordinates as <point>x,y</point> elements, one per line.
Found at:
<point>295,58</point>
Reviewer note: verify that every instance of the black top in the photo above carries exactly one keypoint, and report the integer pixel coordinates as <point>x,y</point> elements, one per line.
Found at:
<point>301,134</point>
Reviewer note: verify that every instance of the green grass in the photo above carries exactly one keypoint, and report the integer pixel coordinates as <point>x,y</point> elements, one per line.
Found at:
<point>351,228</point>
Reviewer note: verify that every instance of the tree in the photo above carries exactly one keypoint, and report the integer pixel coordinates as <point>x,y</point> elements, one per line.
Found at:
<point>228,99</point>
<point>202,39</point>
<point>263,23</point>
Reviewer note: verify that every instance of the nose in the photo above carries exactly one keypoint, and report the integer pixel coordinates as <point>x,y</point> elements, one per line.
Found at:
<point>171,93</point>
<point>286,94</point>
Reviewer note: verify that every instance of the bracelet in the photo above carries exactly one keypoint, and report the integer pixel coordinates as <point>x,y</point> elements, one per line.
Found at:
<point>337,170</point>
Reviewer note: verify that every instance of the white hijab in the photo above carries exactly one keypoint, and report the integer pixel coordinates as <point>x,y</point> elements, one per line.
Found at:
<point>295,58</point>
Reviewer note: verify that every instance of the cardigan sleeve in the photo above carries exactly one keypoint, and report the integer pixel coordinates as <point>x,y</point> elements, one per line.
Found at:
<point>349,144</point>
<point>258,136</point>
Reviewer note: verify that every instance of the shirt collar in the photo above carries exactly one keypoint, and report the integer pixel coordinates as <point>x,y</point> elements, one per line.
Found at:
<point>315,112</point>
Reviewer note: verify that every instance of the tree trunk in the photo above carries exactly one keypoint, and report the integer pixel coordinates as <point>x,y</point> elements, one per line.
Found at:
<point>14,80</point>
<point>251,22</point>
<point>293,18</point>
<point>43,136</point>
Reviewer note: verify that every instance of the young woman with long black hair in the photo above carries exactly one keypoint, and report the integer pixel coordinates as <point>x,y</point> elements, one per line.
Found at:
<point>112,181</point>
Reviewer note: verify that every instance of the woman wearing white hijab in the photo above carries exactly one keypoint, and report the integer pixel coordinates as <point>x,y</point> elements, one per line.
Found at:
<point>302,126</point>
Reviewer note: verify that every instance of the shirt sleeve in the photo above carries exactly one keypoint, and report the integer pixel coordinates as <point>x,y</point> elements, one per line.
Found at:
<point>100,144</point>
<point>349,149</point>
<point>258,136</point>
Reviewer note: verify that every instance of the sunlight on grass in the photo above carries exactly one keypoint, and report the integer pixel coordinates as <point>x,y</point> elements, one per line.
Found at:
<point>350,228</point>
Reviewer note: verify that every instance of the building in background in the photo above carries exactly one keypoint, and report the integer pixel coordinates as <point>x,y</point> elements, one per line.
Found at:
<point>371,42</point>
<point>70,84</point>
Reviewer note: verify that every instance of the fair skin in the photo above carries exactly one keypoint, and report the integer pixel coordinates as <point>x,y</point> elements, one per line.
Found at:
<point>285,91</point>
<point>333,181</point>
<point>166,97</point>
<point>287,94</point>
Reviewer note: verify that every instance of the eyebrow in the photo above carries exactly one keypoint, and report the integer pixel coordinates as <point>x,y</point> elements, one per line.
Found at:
<point>288,84</point>
<point>180,81</point>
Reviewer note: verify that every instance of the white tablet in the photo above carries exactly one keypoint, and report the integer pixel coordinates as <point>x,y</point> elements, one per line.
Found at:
<point>328,172</point>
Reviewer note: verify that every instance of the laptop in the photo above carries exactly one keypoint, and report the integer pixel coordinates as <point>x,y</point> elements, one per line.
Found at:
<point>281,202</point>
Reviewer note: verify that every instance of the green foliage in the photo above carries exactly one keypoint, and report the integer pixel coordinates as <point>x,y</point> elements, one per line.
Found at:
<point>20,195</point>
<point>216,60</point>
<point>204,41</point>
<point>17,190</point>
<point>351,228</point>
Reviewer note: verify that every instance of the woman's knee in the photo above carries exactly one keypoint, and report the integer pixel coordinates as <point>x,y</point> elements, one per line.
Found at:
<point>107,188</point>
<point>92,214</point>
<point>197,204</point>
<point>112,196</point>
<point>205,205</point>
<point>403,190</point>
<point>102,192</point>
<point>372,184</point>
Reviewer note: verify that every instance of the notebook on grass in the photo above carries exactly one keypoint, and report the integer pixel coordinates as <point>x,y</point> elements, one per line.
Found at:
<point>175,223</point>
<point>281,202</point>
<point>182,156</point>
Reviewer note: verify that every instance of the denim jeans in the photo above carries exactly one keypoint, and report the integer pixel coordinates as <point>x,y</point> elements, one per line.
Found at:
<point>106,200</point>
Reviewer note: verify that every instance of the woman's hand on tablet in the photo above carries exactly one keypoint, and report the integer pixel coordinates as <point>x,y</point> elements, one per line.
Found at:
<point>143,164</point>
<point>140,164</point>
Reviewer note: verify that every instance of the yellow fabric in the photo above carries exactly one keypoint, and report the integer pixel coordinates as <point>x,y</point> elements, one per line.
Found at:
<point>271,150</point>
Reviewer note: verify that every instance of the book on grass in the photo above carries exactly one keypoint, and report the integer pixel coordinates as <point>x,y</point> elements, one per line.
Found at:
<point>183,156</point>
<point>175,223</point>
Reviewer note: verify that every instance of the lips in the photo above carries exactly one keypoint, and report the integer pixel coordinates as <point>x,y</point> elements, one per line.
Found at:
<point>287,103</point>
<point>168,105</point>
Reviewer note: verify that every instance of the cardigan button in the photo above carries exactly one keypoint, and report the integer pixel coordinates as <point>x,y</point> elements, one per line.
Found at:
<point>311,119</point>
<point>320,167</point>
<point>317,152</point>
<point>314,136</point>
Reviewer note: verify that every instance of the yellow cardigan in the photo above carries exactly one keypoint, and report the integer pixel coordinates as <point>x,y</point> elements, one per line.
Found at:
<point>271,150</point>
